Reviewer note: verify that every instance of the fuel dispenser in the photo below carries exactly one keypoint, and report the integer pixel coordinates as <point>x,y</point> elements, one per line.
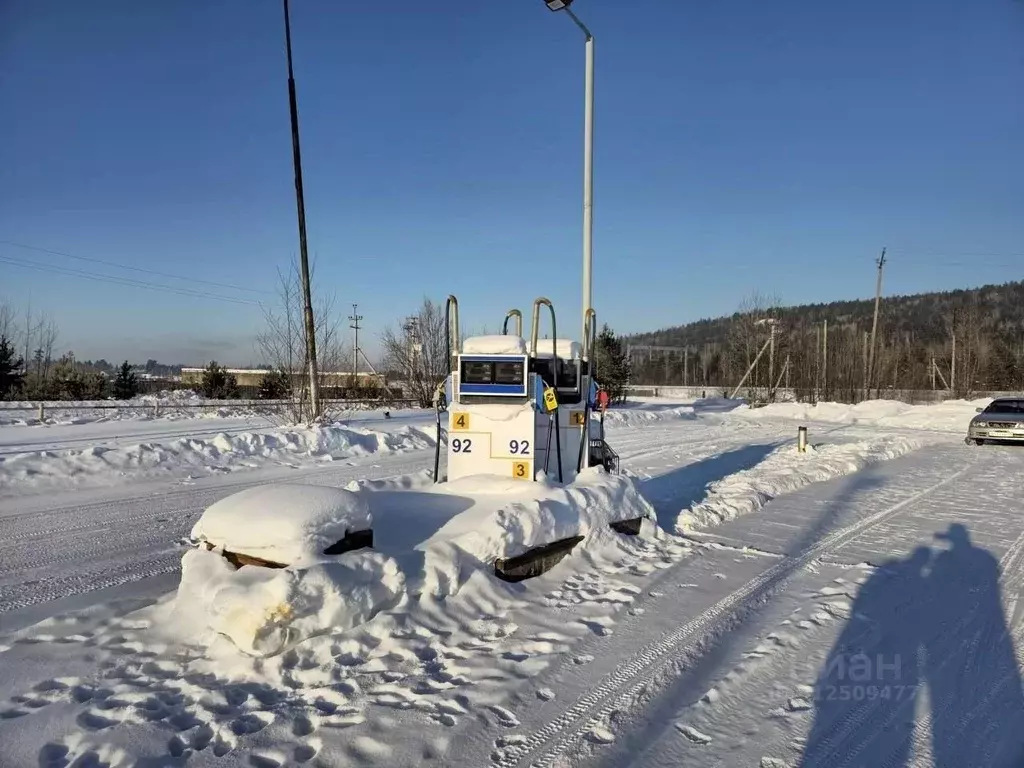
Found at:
<point>515,408</point>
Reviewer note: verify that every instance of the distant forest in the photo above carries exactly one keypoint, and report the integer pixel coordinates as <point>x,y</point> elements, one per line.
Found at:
<point>974,336</point>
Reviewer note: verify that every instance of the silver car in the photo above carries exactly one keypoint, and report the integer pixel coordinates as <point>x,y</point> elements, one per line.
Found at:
<point>1002,420</point>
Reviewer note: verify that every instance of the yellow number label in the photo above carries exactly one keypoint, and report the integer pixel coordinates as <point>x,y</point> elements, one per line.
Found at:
<point>460,421</point>
<point>577,418</point>
<point>521,470</point>
<point>550,399</point>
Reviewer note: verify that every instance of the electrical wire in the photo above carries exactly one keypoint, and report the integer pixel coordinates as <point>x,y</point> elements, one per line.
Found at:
<point>126,281</point>
<point>133,269</point>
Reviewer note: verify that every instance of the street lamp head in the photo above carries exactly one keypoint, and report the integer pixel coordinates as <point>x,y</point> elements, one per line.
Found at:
<point>557,5</point>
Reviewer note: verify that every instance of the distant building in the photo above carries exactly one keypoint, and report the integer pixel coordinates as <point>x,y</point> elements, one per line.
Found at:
<point>329,380</point>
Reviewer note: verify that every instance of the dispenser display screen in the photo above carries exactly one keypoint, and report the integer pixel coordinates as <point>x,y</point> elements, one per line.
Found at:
<point>499,375</point>
<point>477,372</point>
<point>509,372</point>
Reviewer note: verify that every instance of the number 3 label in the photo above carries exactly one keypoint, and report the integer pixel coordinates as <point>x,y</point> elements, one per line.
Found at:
<point>521,470</point>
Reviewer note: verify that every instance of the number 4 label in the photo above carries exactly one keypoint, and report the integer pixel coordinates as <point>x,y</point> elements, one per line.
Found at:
<point>521,470</point>
<point>460,421</point>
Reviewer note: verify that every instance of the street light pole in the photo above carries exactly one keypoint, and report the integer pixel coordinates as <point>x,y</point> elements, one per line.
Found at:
<point>588,171</point>
<point>307,298</point>
<point>588,159</point>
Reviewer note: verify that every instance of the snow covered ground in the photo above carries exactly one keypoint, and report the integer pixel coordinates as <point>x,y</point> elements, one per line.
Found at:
<point>780,613</point>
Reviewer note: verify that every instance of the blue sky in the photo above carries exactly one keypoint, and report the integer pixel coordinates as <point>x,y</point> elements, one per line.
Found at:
<point>740,146</point>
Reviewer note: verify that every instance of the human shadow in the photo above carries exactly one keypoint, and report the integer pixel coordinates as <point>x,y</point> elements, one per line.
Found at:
<point>870,681</point>
<point>933,621</point>
<point>971,664</point>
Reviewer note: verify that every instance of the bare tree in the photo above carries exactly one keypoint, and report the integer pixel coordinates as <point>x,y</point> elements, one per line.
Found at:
<point>48,333</point>
<point>747,335</point>
<point>416,351</point>
<point>8,323</point>
<point>282,345</point>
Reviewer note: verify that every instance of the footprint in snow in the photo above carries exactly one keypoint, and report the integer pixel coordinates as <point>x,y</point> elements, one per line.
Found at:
<point>692,734</point>
<point>505,717</point>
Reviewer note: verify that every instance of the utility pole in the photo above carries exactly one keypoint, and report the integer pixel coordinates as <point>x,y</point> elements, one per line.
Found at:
<point>817,367</point>
<point>824,360</point>
<point>355,317</point>
<point>932,372</point>
<point>952,369</point>
<point>771,363</point>
<point>686,367</point>
<point>307,297</point>
<point>874,323</point>
<point>865,362</point>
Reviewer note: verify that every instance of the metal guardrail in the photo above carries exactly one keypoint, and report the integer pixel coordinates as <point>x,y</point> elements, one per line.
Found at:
<point>158,407</point>
<point>31,405</point>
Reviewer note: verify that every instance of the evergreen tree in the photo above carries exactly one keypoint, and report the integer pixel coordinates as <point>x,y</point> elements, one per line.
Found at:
<point>217,383</point>
<point>274,385</point>
<point>67,382</point>
<point>612,365</point>
<point>10,369</point>
<point>126,384</point>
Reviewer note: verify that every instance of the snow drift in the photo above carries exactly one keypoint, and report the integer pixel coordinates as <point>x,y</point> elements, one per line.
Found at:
<point>506,520</point>
<point>37,471</point>
<point>267,610</point>
<point>786,470</point>
<point>282,522</point>
<point>947,416</point>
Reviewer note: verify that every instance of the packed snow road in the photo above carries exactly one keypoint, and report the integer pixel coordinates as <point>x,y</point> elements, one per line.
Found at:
<point>790,610</point>
<point>58,549</point>
<point>802,637</point>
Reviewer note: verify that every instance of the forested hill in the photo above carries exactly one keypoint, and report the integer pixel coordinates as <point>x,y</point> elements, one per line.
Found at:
<point>924,318</point>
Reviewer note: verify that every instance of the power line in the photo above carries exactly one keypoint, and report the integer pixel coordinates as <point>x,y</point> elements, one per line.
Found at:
<point>126,281</point>
<point>133,269</point>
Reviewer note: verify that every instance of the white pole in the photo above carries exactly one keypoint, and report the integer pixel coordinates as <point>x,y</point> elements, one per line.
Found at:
<point>588,182</point>
<point>588,171</point>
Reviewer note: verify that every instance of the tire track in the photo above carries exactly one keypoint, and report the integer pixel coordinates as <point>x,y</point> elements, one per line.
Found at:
<point>546,746</point>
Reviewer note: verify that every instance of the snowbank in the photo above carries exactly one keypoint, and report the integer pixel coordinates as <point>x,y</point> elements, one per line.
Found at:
<point>443,536</point>
<point>264,611</point>
<point>38,471</point>
<point>631,415</point>
<point>506,520</point>
<point>282,522</point>
<point>785,470</point>
<point>948,416</point>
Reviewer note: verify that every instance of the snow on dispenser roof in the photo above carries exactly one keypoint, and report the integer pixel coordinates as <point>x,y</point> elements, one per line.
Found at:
<point>567,349</point>
<point>494,345</point>
<point>283,522</point>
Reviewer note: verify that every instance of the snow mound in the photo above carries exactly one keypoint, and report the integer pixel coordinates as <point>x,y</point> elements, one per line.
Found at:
<point>786,470</point>
<point>494,345</point>
<point>631,415</point>
<point>495,527</point>
<point>283,522</point>
<point>264,611</point>
<point>947,416</point>
<point>38,471</point>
